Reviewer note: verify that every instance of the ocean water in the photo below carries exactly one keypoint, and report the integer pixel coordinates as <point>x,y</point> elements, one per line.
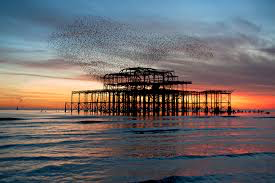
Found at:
<point>53,147</point>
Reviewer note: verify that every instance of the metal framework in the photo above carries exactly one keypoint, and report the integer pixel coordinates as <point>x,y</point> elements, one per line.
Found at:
<point>147,91</point>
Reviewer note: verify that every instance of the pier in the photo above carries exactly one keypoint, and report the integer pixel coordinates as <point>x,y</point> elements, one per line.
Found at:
<point>148,91</point>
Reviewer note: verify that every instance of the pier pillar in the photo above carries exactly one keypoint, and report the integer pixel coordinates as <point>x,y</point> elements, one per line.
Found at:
<point>78,104</point>
<point>163,104</point>
<point>144,104</point>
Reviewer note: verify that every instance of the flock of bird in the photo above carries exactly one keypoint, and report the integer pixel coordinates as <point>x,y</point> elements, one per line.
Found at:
<point>101,45</point>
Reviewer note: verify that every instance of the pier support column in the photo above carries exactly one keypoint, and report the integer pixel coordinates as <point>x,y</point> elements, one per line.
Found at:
<point>206,103</point>
<point>168,104</point>
<point>72,102</point>
<point>154,104</point>
<point>78,104</point>
<point>163,104</point>
<point>229,110</point>
<point>177,104</point>
<point>144,104</point>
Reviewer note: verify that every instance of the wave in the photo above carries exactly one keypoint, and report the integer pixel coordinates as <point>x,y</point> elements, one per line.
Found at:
<point>41,158</point>
<point>154,131</point>
<point>176,179</point>
<point>221,155</point>
<point>265,117</point>
<point>5,121</point>
<point>185,129</point>
<point>41,144</point>
<point>61,158</point>
<point>92,122</point>
<point>229,116</point>
<point>247,177</point>
<point>5,136</point>
<point>11,119</point>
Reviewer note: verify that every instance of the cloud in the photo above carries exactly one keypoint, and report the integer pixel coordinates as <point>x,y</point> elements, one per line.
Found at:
<point>4,50</point>
<point>239,70</point>
<point>270,50</point>
<point>246,25</point>
<point>60,64</point>
<point>238,45</point>
<point>243,76</point>
<point>80,77</point>
<point>241,61</point>
<point>50,64</point>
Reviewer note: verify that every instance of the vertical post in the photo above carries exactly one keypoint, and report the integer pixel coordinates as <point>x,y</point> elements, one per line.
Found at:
<point>140,101</point>
<point>187,102</point>
<point>149,104</point>
<point>114,102</point>
<point>134,103</point>
<point>173,104</point>
<point>92,99</point>
<point>144,103</point>
<point>90,103</point>
<point>229,110</point>
<point>128,103</point>
<point>158,103</point>
<point>182,103</point>
<point>118,102</point>
<point>109,102</point>
<point>168,104</point>
<point>154,103</point>
<point>123,102</point>
<point>78,104</point>
<point>211,95</point>
<point>85,102</point>
<point>199,101</point>
<point>71,102</point>
<point>206,102</point>
<point>177,104</point>
<point>221,103</point>
<point>163,103</point>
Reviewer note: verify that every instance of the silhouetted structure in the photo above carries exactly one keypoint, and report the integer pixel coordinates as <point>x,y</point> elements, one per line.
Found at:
<point>147,91</point>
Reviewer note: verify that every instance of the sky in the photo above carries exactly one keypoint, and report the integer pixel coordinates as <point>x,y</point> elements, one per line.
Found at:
<point>240,34</point>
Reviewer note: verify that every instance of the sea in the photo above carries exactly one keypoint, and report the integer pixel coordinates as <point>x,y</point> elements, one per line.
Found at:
<point>51,146</point>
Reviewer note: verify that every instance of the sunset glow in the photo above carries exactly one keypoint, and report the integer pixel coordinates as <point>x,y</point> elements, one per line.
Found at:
<point>137,91</point>
<point>33,74</point>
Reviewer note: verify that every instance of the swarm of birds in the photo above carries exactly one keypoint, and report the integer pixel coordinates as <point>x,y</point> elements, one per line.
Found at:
<point>101,45</point>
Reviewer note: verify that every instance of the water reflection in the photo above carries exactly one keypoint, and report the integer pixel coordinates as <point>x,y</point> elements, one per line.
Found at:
<point>122,149</point>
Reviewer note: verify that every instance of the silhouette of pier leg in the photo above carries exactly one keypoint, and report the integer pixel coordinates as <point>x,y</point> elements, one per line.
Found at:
<point>144,104</point>
<point>154,104</point>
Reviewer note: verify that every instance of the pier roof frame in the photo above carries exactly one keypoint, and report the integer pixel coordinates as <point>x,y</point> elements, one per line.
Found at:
<point>140,71</point>
<point>142,77</point>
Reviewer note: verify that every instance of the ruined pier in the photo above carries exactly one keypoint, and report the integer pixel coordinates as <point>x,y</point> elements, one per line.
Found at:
<point>147,91</point>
